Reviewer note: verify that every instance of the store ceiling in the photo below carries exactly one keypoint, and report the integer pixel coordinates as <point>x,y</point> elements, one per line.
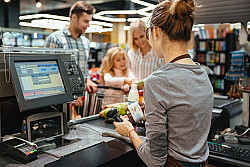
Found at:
<point>212,11</point>
<point>61,7</point>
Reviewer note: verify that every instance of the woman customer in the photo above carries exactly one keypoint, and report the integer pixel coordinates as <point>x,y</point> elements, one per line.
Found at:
<point>178,96</point>
<point>142,59</point>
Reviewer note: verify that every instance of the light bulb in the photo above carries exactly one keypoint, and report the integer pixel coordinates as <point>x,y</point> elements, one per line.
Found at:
<point>6,0</point>
<point>38,4</point>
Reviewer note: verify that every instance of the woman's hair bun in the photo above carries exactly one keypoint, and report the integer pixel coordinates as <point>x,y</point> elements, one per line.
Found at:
<point>182,9</point>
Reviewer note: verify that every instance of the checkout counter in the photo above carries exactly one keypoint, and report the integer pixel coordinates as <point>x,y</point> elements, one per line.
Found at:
<point>29,92</point>
<point>83,144</point>
<point>86,147</point>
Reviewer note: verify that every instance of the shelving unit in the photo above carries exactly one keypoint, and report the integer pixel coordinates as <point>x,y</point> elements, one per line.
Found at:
<point>216,54</point>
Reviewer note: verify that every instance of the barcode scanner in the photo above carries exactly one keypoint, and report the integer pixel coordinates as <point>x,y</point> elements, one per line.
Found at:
<point>113,113</point>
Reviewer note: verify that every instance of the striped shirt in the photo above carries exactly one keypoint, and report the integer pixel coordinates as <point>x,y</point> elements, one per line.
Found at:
<point>64,39</point>
<point>143,66</point>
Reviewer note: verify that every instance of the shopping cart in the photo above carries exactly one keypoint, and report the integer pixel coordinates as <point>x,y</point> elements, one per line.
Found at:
<point>94,103</point>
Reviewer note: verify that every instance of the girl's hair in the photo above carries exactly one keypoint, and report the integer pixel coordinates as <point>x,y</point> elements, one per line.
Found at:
<point>108,62</point>
<point>175,18</point>
<point>133,25</point>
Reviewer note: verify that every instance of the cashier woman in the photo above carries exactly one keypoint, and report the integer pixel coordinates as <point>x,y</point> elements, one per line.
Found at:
<point>178,96</point>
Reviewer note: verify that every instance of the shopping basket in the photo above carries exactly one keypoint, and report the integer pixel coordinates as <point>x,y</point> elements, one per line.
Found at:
<point>94,102</point>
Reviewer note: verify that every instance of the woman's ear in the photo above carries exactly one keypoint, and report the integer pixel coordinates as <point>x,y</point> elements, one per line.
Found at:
<point>156,32</point>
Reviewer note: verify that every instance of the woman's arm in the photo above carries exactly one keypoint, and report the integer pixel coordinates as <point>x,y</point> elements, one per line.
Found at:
<point>126,129</point>
<point>155,150</point>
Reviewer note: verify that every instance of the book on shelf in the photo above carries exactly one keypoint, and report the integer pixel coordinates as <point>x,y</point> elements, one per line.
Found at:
<point>217,58</point>
<point>210,57</point>
<point>202,46</point>
<point>202,33</point>
<point>217,70</point>
<point>222,57</point>
<point>220,45</point>
<point>218,84</point>
<point>222,70</point>
<point>210,32</point>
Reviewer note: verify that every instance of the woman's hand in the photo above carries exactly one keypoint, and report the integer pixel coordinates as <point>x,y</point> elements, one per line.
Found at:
<point>123,128</point>
<point>125,87</point>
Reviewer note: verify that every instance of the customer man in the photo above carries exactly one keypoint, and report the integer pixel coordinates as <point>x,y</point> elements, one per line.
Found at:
<point>71,37</point>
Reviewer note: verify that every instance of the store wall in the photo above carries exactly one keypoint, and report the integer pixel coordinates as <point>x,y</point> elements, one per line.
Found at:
<point>118,35</point>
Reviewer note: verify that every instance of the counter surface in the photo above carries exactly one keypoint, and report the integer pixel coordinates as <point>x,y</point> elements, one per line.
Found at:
<point>94,150</point>
<point>91,150</point>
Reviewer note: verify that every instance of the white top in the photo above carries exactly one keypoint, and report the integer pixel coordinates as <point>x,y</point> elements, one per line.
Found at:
<point>111,95</point>
<point>143,66</point>
<point>117,80</point>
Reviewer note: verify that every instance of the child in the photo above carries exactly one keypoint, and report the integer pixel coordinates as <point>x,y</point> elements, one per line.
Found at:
<point>114,72</point>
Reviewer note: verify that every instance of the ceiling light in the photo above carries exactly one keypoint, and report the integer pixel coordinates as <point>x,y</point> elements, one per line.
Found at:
<point>35,35</point>
<point>120,12</point>
<point>50,16</point>
<point>25,37</point>
<point>132,19</point>
<point>119,20</point>
<point>38,4</point>
<point>101,23</point>
<point>6,1</point>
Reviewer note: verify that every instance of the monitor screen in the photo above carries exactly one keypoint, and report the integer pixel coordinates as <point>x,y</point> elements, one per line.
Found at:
<point>39,81</point>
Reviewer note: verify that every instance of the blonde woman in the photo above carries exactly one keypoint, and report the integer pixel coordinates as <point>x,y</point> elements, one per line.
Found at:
<point>142,59</point>
<point>114,71</point>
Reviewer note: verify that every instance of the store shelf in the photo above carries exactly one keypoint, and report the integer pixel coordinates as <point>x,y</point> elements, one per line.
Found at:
<point>215,53</point>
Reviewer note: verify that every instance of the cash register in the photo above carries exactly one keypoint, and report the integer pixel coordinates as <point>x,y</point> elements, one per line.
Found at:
<point>42,84</point>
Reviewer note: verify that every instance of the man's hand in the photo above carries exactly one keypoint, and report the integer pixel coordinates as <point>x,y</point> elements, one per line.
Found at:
<point>79,102</point>
<point>91,86</point>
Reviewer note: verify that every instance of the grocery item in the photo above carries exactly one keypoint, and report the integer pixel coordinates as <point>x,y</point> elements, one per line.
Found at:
<point>115,104</point>
<point>133,95</point>
<point>135,111</point>
<point>140,95</point>
<point>140,84</point>
<point>120,106</point>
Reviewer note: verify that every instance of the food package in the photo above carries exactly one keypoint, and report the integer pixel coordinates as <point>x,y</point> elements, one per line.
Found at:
<point>120,106</point>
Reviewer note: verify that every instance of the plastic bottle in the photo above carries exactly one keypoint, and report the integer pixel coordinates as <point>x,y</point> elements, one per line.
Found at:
<point>133,95</point>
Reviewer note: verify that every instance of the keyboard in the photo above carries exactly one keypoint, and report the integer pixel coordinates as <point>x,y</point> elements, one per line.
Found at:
<point>230,152</point>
